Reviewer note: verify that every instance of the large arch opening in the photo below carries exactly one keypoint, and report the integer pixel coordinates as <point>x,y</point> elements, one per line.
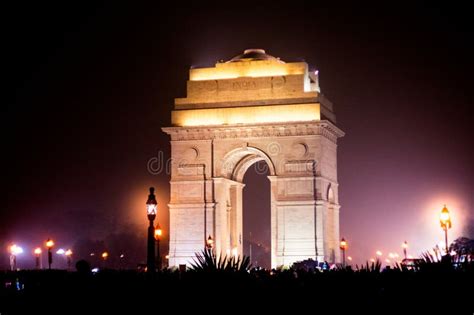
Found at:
<point>257,214</point>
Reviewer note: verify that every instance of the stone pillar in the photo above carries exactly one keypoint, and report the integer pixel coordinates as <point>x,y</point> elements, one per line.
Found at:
<point>228,220</point>
<point>294,220</point>
<point>192,214</point>
<point>187,235</point>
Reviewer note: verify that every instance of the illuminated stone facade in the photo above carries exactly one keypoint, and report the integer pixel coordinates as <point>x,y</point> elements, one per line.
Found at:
<point>254,108</point>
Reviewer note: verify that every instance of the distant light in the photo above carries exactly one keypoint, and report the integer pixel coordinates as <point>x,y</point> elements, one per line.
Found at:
<point>94,270</point>
<point>343,244</point>
<point>387,261</point>
<point>49,243</point>
<point>158,232</point>
<point>122,255</point>
<point>15,249</point>
<point>210,242</point>
<point>445,218</point>
<point>60,251</point>
<point>391,255</point>
<point>167,256</point>
<point>410,257</point>
<point>372,260</point>
<point>316,72</point>
<point>105,255</point>
<point>92,254</point>
<point>378,253</point>
<point>68,252</point>
<point>235,252</point>
<point>37,251</point>
<point>349,258</point>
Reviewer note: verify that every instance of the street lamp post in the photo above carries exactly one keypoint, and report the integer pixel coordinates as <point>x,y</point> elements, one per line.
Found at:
<point>405,246</point>
<point>158,233</point>
<point>38,252</point>
<point>151,206</point>
<point>14,251</point>
<point>68,254</point>
<point>343,246</point>
<point>49,245</point>
<point>445,221</point>
<point>104,256</point>
<point>209,242</point>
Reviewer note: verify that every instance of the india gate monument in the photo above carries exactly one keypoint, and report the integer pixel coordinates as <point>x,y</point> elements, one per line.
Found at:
<point>254,107</point>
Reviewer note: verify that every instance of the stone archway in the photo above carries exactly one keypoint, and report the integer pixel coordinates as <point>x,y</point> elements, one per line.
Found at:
<point>229,192</point>
<point>234,116</point>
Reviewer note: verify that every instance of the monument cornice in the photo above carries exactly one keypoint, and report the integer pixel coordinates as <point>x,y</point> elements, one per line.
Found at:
<point>320,128</point>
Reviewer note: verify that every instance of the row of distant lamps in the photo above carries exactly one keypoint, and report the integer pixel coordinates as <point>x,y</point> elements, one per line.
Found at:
<point>16,250</point>
<point>154,236</point>
<point>445,222</point>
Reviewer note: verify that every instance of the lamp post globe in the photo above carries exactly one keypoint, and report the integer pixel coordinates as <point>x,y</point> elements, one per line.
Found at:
<point>209,243</point>
<point>49,246</point>
<point>151,206</point>
<point>445,222</point>
<point>343,246</point>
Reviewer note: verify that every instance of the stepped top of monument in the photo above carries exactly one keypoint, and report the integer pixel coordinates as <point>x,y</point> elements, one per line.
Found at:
<point>251,87</point>
<point>254,55</point>
<point>253,63</point>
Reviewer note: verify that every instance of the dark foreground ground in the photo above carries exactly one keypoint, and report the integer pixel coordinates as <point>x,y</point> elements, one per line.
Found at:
<point>449,291</point>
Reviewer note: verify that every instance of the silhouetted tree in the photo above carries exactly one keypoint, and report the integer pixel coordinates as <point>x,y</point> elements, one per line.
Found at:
<point>462,246</point>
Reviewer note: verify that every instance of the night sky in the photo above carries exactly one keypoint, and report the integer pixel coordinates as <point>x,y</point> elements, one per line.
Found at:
<point>89,88</point>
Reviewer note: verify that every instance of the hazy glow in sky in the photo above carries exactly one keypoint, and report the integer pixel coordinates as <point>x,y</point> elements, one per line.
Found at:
<point>90,87</point>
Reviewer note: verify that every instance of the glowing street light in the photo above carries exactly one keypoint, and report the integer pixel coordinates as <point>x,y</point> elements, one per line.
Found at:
<point>209,242</point>
<point>49,245</point>
<point>37,253</point>
<point>151,206</point>
<point>343,246</point>
<point>158,234</point>
<point>14,251</point>
<point>405,247</point>
<point>445,221</point>
<point>105,255</point>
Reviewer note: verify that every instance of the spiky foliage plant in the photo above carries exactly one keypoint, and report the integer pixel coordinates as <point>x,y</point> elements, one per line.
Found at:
<point>374,267</point>
<point>208,261</point>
